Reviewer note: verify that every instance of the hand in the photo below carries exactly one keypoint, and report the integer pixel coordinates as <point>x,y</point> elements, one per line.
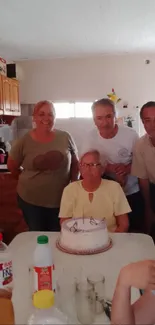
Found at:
<point>110,168</point>
<point>121,179</point>
<point>140,275</point>
<point>120,169</point>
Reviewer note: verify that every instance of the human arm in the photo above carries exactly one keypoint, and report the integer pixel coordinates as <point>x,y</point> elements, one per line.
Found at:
<point>120,172</point>
<point>74,169</point>
<point>67,202</point>
<point>122,312</point>
<point>121,208</point>
<point>15,158</point>
<point>138,275</point>
<point>120,169</point>
<point>14,167</point>
<point>122,222</point>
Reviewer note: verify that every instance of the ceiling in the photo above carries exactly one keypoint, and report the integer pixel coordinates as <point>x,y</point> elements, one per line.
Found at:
<point>34,29</point>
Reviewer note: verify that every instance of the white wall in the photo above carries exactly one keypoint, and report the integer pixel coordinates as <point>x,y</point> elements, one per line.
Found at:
<point>87,79</point>
<point>77,127</point>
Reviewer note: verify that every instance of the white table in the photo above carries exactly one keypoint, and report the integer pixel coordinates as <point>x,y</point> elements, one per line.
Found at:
<point>126,248</point>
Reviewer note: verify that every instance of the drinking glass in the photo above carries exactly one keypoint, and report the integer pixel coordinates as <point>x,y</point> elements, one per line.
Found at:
<point>97,280</point>
<point>85,302</point>
<point>65,294</point>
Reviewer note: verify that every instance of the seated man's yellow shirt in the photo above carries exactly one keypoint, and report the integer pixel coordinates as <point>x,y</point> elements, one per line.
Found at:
<point>108,201</point>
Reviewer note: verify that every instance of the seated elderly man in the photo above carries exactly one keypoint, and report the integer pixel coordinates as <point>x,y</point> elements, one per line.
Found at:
<point>140,275</point>
<point>95,197</point>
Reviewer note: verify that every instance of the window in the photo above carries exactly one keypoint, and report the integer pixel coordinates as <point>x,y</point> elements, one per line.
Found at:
<point>78,109</point>
<point>83,109</point>
<point>64,110</point>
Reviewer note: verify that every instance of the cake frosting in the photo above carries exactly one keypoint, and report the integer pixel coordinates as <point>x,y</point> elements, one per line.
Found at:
<point>84,234</point>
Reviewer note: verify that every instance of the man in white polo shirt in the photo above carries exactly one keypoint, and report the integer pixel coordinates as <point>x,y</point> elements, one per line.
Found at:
<point>143,165</point>
<point>116,142</point>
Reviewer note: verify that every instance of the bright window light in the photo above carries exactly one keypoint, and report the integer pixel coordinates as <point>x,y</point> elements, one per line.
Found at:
<point>83,109</point>
<point>64,110</point>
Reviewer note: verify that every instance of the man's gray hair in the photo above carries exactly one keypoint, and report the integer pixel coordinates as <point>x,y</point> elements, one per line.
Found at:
<point>104,102</point>
<point>101,157</point>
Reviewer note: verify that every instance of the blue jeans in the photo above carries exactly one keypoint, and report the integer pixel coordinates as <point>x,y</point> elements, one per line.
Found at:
<point>39,218</point>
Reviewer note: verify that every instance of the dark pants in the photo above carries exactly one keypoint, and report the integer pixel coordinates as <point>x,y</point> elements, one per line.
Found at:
<point>136,217</point>
<point>152,196</point>
<point>39,218</point>
<point>152,199</point>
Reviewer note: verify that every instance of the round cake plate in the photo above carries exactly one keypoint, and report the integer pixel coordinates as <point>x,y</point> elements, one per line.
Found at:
<point>84,252</point>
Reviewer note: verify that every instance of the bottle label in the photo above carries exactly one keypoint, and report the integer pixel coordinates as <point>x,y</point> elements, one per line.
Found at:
<point>44,278</point>
<point>6,275</point>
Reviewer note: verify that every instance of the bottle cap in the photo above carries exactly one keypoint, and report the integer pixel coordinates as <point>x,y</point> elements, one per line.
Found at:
<point>42,239</point>
<point>43,299</point>
<point>1,236</point>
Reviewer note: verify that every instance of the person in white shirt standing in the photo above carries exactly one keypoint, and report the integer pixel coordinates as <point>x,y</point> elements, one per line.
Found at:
<point>116,142</point>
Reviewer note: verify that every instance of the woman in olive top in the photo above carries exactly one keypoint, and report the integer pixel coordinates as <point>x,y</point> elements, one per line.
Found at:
<point>49,162</point>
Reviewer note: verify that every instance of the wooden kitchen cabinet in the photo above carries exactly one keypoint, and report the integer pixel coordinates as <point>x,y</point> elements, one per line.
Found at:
<point>9,89</point>
<point>1,102</point>
<point>15,105</point>
<point>6,95</point>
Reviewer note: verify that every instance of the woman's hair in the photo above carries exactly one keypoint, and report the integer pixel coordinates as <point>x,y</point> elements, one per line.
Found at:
<point>95,152</point>
<point>40,104</point>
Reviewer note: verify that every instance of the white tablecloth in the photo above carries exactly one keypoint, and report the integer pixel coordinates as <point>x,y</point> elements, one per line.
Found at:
<point>126,248</point>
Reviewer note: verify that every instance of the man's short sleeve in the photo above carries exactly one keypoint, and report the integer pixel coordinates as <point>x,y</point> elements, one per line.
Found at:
<point>138,168</point>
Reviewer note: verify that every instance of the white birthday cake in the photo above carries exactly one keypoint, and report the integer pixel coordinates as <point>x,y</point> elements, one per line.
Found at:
<point>84,234</point>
